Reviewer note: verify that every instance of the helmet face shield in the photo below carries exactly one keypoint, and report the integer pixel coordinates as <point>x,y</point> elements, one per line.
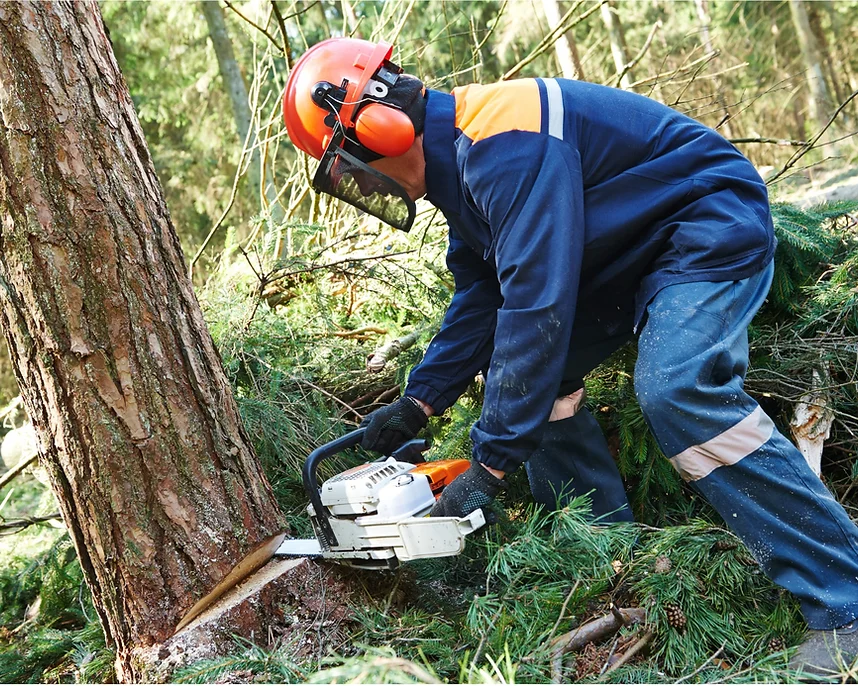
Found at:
<point>345,177</point>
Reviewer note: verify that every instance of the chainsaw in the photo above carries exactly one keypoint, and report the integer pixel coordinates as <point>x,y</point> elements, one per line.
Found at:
<point>375,516</point>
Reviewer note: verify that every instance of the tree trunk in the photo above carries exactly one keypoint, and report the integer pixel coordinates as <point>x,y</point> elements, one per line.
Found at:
<point>818,101</point>
<point>618,43</point>
<point>564,47</point>
<point>158,484</point>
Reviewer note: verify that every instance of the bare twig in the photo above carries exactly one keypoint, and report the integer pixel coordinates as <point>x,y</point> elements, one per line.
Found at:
<point>563,609</point>
<point>637,58</point>
<point>329,395</point>
<point>679,70</point>
<point>552,37</point>
<point>348,260</point>
<point>281,24</point>
<point>810,145</point>
<point>704,665</point>
<point>775,141</point>
<point>254,24</point>
<point>17,469</point>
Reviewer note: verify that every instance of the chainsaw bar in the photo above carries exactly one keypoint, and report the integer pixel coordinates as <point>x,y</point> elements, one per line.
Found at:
<point>300,547</point>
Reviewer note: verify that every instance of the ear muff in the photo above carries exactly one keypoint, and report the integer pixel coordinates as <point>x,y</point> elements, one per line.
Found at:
<point>384,130</point>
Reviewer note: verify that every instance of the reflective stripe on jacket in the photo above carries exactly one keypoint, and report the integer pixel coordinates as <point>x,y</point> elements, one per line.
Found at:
<point>561,195</point>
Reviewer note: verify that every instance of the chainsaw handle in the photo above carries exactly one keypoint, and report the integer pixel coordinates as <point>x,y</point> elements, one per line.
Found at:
<point>311,483</point>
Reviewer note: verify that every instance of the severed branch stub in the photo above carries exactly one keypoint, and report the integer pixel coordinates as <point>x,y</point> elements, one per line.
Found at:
<point>811,422</point>
<point>377,360</point>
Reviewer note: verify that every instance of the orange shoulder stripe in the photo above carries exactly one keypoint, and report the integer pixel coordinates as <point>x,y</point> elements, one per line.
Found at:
<point>484,111</point>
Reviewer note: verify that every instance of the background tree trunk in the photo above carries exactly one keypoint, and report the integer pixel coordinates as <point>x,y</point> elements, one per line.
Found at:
<point>819,102</point>
<point>618,42</point>
<point>706,39</point>
<point>157,482</point>
<point>236,89</point>
<point>564,47</point>
<point>233,82</point>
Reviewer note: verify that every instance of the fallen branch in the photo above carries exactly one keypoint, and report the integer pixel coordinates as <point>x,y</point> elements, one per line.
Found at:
<point>359,333</point>
<point>378,359</point>
<point>17,469</point>
<point>596,630</point>
<point>641,643</point>
<point>21,524</point>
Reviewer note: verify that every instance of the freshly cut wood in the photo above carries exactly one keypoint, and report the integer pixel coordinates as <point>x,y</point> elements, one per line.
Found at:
<point>378,359</point>
<point>297,600</point>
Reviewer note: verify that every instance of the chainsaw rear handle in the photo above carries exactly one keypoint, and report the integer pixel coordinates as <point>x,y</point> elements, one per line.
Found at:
<point>323,452</point>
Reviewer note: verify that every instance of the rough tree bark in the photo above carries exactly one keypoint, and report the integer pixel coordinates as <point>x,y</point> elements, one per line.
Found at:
<point>157,481</point>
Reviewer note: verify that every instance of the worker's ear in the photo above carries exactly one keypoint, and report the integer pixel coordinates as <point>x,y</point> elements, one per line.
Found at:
<point>384,130</point>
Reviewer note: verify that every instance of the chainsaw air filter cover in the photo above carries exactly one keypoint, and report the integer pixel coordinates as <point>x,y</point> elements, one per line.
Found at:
<point>387,488</point>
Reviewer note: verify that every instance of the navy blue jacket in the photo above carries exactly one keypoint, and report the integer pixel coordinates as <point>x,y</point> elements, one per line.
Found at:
<point>561,195</point>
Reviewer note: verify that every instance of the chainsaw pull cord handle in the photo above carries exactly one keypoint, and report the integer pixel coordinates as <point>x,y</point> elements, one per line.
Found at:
<point>311,483</point>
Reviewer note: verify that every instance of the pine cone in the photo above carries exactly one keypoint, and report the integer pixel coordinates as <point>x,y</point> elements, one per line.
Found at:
<point>675,616</point>
<point>777,644</point>
<point>724,544</point>
<point>662,564</point>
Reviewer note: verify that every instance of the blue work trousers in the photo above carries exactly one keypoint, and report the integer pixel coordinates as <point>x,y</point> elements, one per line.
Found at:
<point>689,378</point>
<point>692,360</point>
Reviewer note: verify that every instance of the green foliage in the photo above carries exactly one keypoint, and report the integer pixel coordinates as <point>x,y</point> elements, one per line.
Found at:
<point>275,665</point>
<point>48,627</point>
<point>808,241</point>
<point>727,602</point>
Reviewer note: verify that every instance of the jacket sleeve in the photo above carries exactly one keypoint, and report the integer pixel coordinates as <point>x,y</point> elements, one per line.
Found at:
<point>463,346</point>
<point>534,207</point>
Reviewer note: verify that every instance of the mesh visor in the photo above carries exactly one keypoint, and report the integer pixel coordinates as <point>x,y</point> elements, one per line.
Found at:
<point>345,177</point>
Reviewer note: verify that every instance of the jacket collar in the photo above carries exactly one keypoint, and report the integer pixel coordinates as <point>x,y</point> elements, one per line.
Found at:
<point>442,173</point>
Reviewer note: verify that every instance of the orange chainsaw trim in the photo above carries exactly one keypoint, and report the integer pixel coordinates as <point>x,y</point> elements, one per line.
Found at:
<point>441,472</point>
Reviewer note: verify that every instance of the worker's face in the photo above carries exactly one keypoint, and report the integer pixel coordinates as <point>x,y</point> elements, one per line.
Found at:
<point>408,170</point>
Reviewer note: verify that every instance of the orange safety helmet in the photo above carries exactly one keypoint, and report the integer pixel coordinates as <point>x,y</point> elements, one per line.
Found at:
<point>347,104</point>
<point>345,81</point>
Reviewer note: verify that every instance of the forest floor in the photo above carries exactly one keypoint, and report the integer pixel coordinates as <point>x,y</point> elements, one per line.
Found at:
<point>829,185</point>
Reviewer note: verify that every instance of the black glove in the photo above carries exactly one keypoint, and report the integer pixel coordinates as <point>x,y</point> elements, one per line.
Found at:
<point>390,427</point>
<point>475,488</point>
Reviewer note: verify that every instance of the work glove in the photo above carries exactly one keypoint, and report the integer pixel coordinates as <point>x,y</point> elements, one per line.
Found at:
<point>475,488</point>
<point>393,425</point>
